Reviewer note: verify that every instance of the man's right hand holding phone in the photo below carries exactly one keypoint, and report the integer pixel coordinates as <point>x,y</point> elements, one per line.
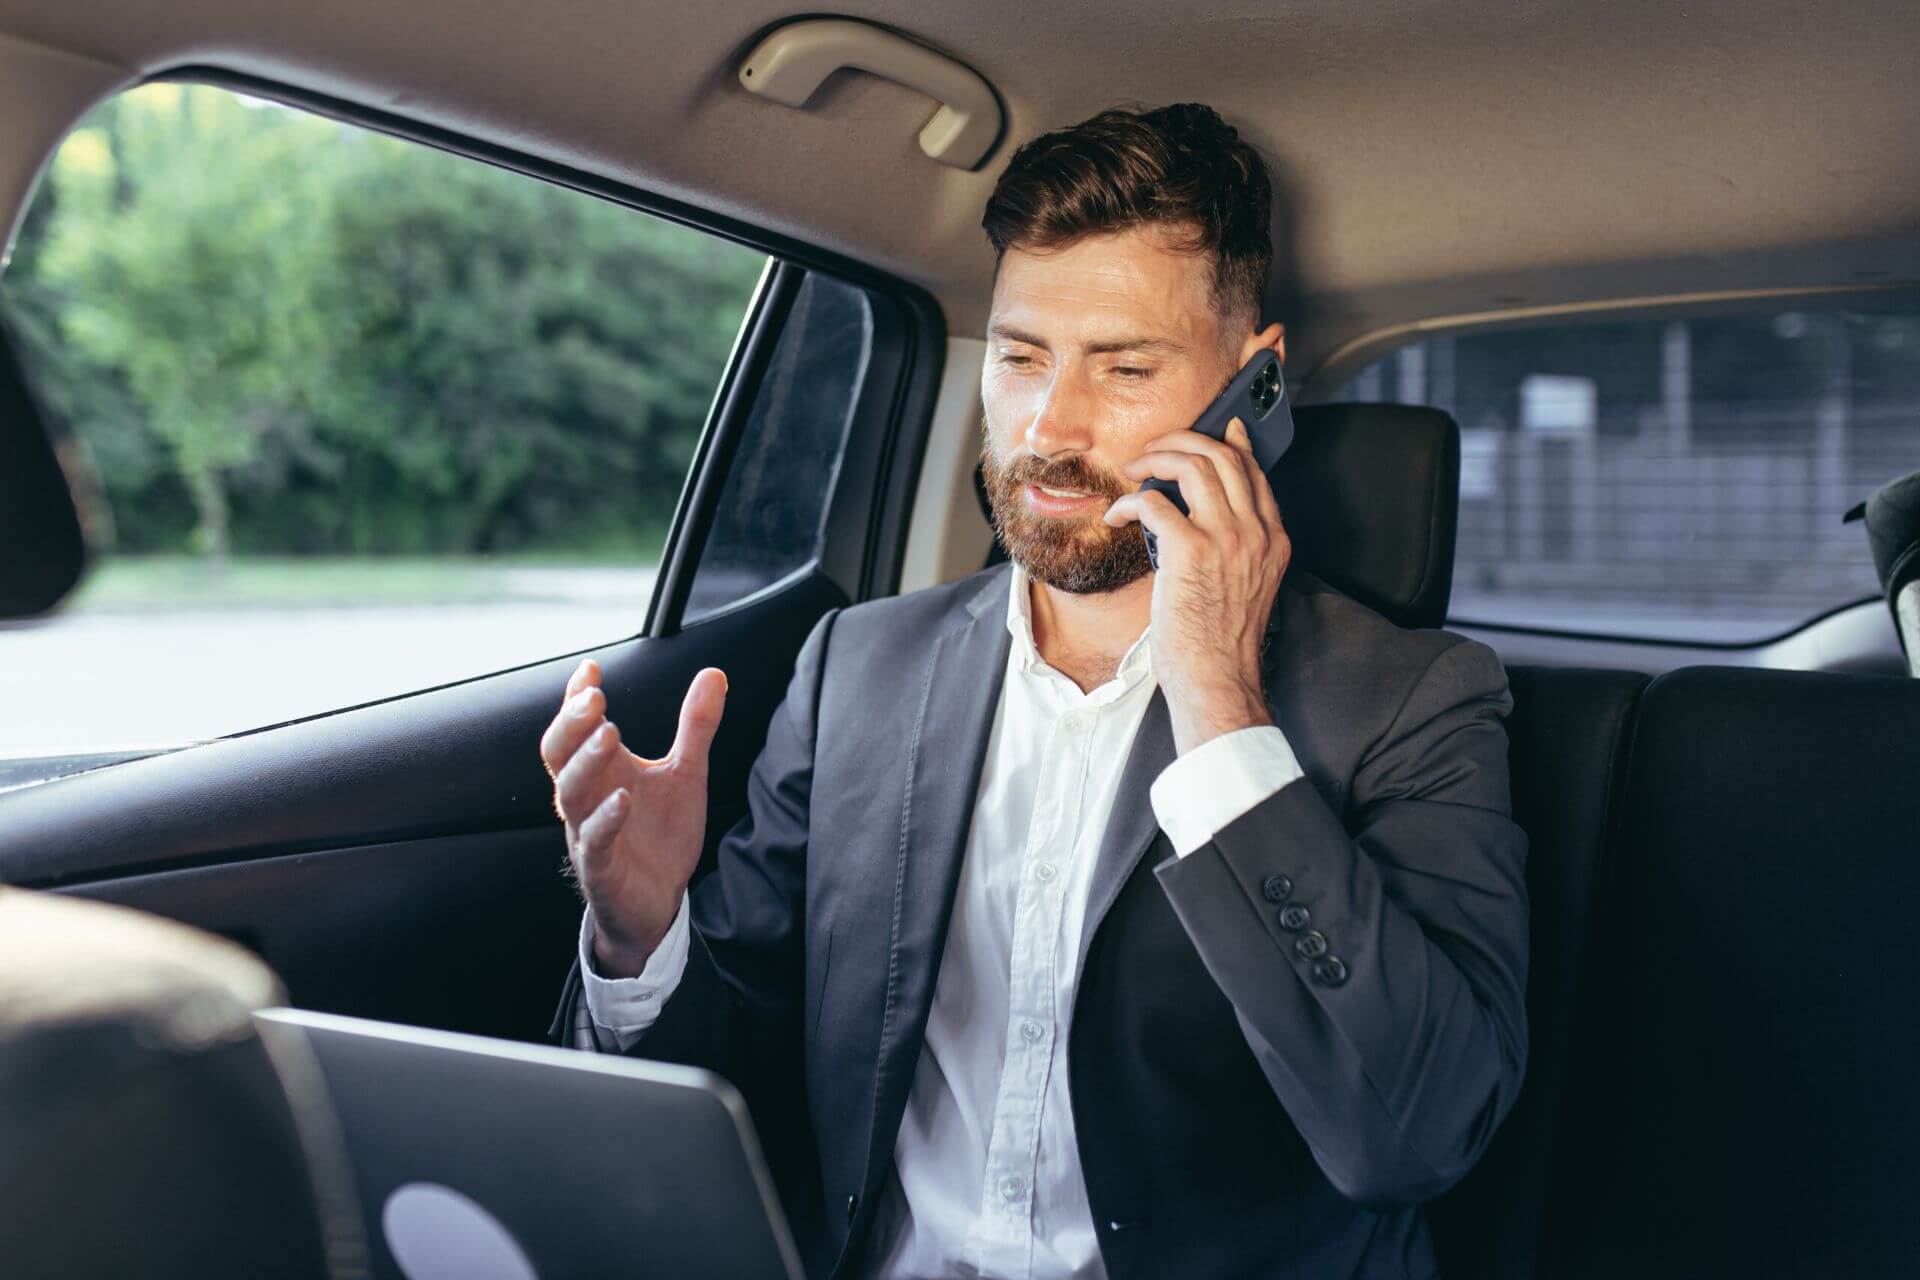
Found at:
<point>635,827</point>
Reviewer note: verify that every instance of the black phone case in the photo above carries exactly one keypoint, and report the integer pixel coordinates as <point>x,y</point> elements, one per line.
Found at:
<point>1258,397</point>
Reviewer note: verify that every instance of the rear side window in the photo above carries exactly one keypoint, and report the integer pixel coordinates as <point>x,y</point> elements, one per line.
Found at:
<point>1675,479</point>
<point>370,417</point>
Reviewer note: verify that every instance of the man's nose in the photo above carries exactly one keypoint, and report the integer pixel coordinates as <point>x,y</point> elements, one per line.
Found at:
<point>1064,422</point>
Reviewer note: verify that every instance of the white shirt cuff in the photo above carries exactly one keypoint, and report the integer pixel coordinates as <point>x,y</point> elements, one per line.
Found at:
<point>1204,790</point>
<point>626,1007</point>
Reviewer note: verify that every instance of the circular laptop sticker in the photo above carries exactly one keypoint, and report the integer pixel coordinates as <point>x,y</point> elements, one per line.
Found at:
<point>435,1233</point>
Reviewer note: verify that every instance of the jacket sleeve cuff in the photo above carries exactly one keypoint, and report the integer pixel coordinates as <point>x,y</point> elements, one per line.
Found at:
<point>626,1007</point>
<point>1201,792</point>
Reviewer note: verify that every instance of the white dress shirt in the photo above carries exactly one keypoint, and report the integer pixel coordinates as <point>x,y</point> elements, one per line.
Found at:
<point>986,1173</point>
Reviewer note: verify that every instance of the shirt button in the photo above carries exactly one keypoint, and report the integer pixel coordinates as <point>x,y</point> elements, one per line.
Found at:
<point>1031,1031</point>
<point>1075,722</point>
<point>1293,918</point>
<point>1011,1187</point>
<point>1276,888</point>
<point>1312,943</point>
<point>1044,872</point>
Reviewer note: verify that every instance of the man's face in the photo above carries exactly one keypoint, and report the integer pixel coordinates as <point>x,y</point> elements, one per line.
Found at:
<point>1093,351</point>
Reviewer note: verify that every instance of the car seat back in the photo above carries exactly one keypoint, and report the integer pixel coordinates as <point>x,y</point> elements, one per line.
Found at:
<point>1742,1100</point>
<point>147,1131</point>
<point>1567,747</point>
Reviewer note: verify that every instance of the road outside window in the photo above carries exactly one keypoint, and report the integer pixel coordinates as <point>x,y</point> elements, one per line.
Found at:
<point>1668,479</point>
<point>369,417</point>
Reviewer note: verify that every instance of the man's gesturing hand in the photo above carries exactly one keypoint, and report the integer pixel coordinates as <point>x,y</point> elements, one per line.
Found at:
<point>1220,569</point>
<point>634,826</point>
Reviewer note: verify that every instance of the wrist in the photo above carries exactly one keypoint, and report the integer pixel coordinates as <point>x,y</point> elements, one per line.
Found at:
<point>611,960</point>
<point>1208,713</point>
<point>617,955</point>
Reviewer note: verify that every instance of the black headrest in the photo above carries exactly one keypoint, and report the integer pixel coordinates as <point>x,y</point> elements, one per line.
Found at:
<point>1893,530</point>
<point>42,552</point>
<point>1371,498</point>
<point>149,1131</point>
<point>1893,535</point>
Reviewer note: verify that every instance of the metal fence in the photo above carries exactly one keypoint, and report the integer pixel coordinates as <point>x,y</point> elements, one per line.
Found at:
<point>1741,515</point>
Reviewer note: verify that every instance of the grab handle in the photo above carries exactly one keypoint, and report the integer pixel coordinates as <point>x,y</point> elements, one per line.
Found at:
<point>793,61</point>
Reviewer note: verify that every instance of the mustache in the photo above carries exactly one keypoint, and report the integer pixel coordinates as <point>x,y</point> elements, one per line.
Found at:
<point>1065,473</point>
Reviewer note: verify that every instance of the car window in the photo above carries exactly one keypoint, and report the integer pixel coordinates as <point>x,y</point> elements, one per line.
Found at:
<point>771,518</point>
<point>1678,478</point>
<point>369,416</point>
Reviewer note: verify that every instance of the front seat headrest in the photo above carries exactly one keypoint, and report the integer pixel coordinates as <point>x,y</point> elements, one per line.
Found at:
<point>148,1129</point>
<point>1370,494</point>
<point>1893,536</point>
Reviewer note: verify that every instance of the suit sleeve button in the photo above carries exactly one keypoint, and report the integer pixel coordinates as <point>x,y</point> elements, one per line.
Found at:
<point>1330,972</point>
<point>1312,943</point>
<point>1294,918</point>
<point>1276,888</point>
<point>853,1207</point>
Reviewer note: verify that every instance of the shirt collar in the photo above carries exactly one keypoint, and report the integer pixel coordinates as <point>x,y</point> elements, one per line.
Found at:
<point>1138,659</point>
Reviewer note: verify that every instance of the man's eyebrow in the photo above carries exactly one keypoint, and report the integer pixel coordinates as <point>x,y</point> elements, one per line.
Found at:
<point>1145,346</point>
<point>1012,334</point>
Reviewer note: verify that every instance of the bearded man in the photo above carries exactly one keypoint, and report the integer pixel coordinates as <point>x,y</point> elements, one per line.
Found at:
<point>1089,920</point>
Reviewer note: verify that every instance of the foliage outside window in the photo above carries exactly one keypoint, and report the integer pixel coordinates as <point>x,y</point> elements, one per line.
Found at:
<point>319,367</point>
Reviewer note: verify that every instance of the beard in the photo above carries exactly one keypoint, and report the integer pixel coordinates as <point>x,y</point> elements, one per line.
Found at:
<point>1078,554</point>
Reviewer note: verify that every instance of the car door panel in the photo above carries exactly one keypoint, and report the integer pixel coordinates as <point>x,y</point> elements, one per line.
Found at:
<point>401,860</point>
<point>467,932</point>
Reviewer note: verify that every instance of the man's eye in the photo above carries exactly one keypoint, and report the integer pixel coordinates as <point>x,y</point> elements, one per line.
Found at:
<point>1132,372</point>
<point>1017,362</point>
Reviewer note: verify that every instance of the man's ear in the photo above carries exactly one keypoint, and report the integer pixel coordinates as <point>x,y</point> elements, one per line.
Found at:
<point>1273,336</point>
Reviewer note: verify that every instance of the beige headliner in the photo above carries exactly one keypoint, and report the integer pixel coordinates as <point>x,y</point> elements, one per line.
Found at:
<point>1434,157</point>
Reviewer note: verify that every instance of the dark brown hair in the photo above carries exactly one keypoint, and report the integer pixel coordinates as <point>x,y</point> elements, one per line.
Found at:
<point>1181,167</point>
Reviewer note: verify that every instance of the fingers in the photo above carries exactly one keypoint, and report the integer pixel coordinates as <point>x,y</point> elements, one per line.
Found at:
<point>1264,503</point>
<point>700,713</point>
<point>585,780</point>
<point>1155,511</point>
<point>579,715</point>
<point>587,673</point>
<point>1230,455</point>
<point>1212,478</point>
<point>598,831</point>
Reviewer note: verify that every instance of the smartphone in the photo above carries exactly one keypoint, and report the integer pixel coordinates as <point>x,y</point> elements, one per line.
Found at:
<point>1258,397</point>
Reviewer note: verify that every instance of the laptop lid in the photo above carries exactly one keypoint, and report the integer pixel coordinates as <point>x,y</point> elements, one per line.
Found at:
<point>478,1158</point>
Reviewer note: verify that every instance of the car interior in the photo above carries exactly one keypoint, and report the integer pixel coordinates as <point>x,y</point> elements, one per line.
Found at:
<point>1721,874</point>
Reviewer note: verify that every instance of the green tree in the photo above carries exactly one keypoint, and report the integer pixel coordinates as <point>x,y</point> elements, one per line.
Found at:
<point>278,333</point>
<point>184,252</point>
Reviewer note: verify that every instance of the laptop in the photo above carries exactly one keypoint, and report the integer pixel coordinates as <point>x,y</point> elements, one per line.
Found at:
<point>493,1160</point>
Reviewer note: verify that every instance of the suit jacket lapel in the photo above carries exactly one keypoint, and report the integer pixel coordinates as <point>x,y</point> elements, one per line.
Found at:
<point>1132,827</point>
<point>945,756</point>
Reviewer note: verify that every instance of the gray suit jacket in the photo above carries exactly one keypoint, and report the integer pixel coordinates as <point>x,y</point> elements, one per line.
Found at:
<point>1282,1043</point>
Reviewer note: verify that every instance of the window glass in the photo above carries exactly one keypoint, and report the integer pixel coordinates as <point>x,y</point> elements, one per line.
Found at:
<point>771,518</point>
<point>1674,479</point>
<point>369,417</point>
